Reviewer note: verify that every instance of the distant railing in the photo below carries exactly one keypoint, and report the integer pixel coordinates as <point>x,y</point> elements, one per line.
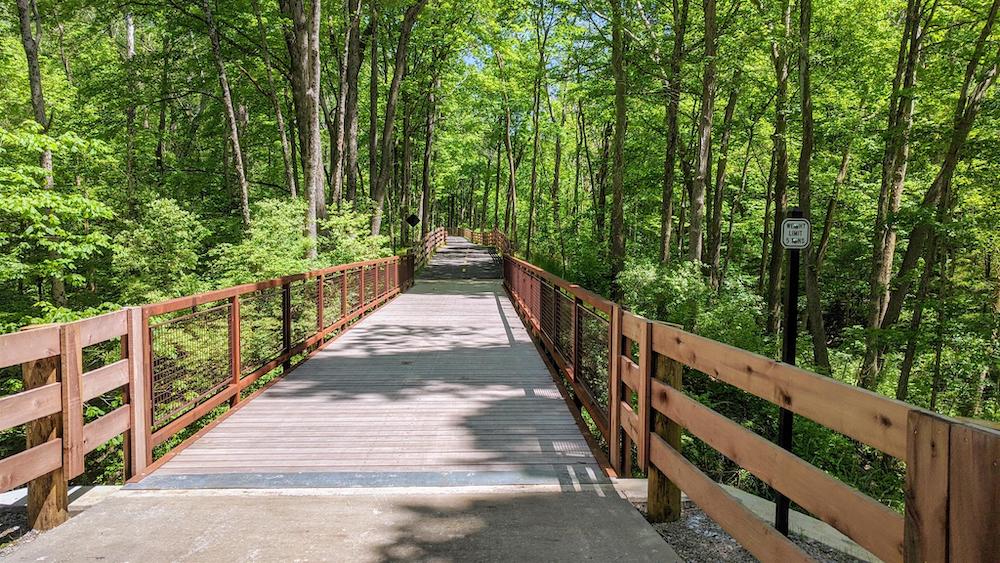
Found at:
<point>181,359</point>
<point>423,250</point>
<point>626,371</point>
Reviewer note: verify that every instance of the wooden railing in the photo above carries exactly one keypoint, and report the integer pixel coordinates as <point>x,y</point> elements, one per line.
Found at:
<point>625,372</point>
<point>423,250</point>
<point>496,239</point>
<point>180,360</point>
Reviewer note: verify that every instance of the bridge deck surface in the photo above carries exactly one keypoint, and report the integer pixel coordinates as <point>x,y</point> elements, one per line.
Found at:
<point>442,386</point>
<point>430,431</point>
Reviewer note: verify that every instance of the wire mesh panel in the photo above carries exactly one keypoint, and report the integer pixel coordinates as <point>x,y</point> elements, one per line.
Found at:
<point>353,290</point>
<point>304,309</point>
<point>370,273</point>
<point>190,361</point>
<point>563,325</point>
<point>593,368</point>
<point>260,328</point>
<point>332,298</point>
<point>545,320</point>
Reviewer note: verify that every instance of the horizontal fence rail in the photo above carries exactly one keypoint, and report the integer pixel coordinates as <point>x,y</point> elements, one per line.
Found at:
<point>179,361</point>
<point>625,372</point>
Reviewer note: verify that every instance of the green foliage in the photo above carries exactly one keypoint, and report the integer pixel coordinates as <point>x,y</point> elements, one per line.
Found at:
<point>346,237</point>
<point>158,255</point>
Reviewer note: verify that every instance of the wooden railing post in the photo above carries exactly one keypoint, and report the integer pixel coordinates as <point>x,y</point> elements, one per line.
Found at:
<point>343,295</point>
<point>615,388</point>
<point>663,497</point>
<point>925,524</point>
<point>140,454</point>
<point>286,323</point>
<point>48,501</point>
<point>235,359</point>
<point>973,493</point>
<point>71,374</point>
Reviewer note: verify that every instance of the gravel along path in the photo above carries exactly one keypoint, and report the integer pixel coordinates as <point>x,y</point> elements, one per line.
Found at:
<point>697,538</point>
<point>14,530</point>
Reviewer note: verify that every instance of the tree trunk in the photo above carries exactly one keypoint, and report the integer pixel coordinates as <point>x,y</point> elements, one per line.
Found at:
<point>291,178</point>
<point>130,181</point>
<point>703,169</point>
<point>618,151</point>
<point>337,142</point>
<point>161,127</point>
<point>715,225</point>
<point>373,80</point>
<point>510,218</point>
<point>426,172</point>
<point>779,57</point>
<point>672,109</point>
<point>26,11</point>
<point>903,383</point>
<point>354,55</point>
<point>227,102</point>
<point>831,206</point>
<point>389,121</point>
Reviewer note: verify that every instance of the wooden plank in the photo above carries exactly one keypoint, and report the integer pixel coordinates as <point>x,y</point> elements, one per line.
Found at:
<point>630,373</point>
<point>29,345</point>
<point>101,328</point>
<point>865,416</point>
<point>235,329</point>
<point>663,497</point>
<point>71,370</point>
<point>871,524</point>
<point>756,535</point>
<point>20,468</point>
<point>973,493</point>
<point>632,328</point>
<point>30,405</point>
<point>106,427</point>
<point>615,384</point>
<point>630,421</point>
<point>925,529</point>
<point>104,379</point>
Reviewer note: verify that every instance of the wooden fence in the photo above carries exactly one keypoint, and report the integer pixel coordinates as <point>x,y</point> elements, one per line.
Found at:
<point>180,360</point>
<point>626,371</point>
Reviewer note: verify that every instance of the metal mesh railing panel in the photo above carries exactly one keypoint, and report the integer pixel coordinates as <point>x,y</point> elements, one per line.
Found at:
<point>563,325</point>
<point>304,309</point>
<point>370,280</point>
<point>190,361</point>
<point>354,290</point>
<point>260,328</point>
<point>332,299</point>
<point>593,368</point>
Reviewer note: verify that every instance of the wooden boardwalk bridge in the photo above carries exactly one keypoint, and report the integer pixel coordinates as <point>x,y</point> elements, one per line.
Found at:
<point>477,411</point>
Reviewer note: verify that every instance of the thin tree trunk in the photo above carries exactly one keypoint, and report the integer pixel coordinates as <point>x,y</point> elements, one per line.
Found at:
<point>291,179</point>
<point>389,121</point>
<point>703,169</point>
<point>779,56</point>
<point>618,167</point>
<point>831,206</point>
<point>672,109</point>
<point>355,53</point>
<point>373,98</point>
<point>903,382</point>
<point>426,172</point>
<point>227,102</point>
<point>715,225</point>
<point>337,143</point>
<point>130,180</point>
<point>161,128</point>
<point>510,218</point>
<point>765,237</point>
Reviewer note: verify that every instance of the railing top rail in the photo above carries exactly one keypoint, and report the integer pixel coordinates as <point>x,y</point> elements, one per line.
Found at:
<point>179,303</point>
<point>587,296</point>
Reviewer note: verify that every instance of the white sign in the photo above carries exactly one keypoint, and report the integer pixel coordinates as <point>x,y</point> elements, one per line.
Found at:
<point>796,233</point>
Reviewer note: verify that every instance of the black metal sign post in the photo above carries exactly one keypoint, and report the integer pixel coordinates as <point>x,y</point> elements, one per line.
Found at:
<point>795,237</point>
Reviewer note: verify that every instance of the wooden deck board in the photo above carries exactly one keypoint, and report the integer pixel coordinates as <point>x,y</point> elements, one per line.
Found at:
<point>442,380</point>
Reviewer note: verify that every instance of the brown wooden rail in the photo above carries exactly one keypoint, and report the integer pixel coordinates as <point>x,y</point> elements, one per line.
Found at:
<point>56,386</point>
<point>952,491</point>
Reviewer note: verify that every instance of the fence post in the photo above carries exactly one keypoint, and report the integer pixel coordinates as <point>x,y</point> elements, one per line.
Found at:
<point>973,492</point>
<point>615,384</point>
<point>361,287</point>
<point>139,452</point>
<point>71,374</point>
<point>286,323</point>
<point>663,497</point>
<point>48,501</point>
<point>235,357</point>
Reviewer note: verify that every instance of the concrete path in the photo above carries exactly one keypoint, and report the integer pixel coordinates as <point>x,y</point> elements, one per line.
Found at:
<point>430,431</point>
